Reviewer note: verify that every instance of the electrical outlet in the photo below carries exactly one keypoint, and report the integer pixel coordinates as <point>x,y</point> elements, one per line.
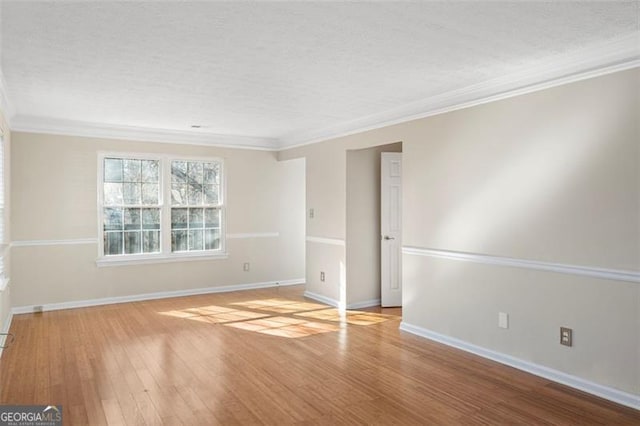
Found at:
<point>246,266</point>
<point>322,276</point>
<point>566,336</point>
<point>503,320</point>
<point>311,213</point>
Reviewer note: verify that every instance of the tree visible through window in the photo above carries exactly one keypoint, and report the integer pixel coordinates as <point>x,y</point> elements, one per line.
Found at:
<point>131,206</point>
<point>138,220</point>
<point>195,211</point>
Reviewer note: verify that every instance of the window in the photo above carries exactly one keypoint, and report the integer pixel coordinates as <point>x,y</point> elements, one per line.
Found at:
<point>3,247</point>
<point>131,206</point>
<point>195,206</point>
<point>137,223</point>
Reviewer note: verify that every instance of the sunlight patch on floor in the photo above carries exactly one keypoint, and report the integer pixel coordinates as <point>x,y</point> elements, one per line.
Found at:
<point>350,317</point>
<point>214,314</point>
<point>279,317</point>
<point>280,306</point>
<point>285,327</point>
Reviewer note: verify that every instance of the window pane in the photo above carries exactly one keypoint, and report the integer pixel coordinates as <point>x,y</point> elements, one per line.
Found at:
<point>132,242</point>
<point>212,218</point>
<point>112,170</point>
<point>131,193</point>
<point>151,241</point>
<point>130,182</point>
<point>178,172</point>
<point>151,218</point>
<point>195,194</point>
<point>112,243</point>
<point>195,218</point>
<point>150,170</point>
<point>112,193</point>
<point>211,194</point>
<point>179,218</point>
<point>179,241</point>
<point>211,173</point>
<point>194,172</point>
<point>196,240</point>
<point>212,239</point>
<point>131,219</point>
<point>113,219</point>
<point>179,194</point>
<point>131,170</point>
<point>150,193</point>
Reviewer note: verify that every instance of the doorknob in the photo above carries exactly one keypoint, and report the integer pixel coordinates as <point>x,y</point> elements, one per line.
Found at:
<point>386,237</point>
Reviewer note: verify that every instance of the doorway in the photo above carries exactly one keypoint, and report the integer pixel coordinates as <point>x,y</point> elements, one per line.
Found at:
<point>363,221</point>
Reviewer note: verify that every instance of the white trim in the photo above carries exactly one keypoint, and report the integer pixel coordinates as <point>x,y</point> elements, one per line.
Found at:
<point>364,304</point>
<point>605,58</point>
<point>133,259</point>
<point>253,235</point>
<point>612,56</point>
<point>5,104</point>
<point>609,274</point>
<point>295,281</point>
<point>152,296</point>
<point>4,283</point>
<point>322,299</point>
<point>31,124</point>
<point>165,206</point>
<point>74,241</point>
<point>321,240</point>
<point>620,397</point>
<point>5,328</point>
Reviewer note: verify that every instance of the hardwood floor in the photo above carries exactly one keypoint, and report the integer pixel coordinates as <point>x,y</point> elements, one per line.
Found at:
<point>268,356</point>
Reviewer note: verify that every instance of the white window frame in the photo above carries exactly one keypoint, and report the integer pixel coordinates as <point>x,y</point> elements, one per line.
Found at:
<point>165,255</point>
<point>4,280</point>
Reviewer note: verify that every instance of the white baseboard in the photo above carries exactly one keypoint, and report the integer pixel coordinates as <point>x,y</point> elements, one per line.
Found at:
<point>336,304</point>
<point>5,329</point>
<point>323,299</point>
<point>364,304</point>
<point>620,397</point>
<point>151,296</point>
<point>294,281</point>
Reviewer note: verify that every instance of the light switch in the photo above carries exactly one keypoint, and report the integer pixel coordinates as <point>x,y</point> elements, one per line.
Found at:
<point>503,320</point>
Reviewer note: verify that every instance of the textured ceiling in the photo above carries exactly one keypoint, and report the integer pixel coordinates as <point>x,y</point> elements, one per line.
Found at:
<point>274,70</point>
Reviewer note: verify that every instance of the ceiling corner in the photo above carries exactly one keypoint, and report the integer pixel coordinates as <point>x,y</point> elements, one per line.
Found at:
<point>596,60</point>
<point>46,125</point>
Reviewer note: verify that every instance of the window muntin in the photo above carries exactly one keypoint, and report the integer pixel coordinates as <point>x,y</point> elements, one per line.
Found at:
<point>131,206</point>
<point>196,205</point>
<point>138,226</point>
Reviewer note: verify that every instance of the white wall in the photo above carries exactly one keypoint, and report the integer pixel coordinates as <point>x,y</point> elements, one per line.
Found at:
<point>548,176</point>
<point>54,186</point>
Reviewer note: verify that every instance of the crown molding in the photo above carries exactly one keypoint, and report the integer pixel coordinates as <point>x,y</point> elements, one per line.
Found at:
<point>604,58</point>
<point>5,105</point>
<point>601,59</point>
<point>32,124</point>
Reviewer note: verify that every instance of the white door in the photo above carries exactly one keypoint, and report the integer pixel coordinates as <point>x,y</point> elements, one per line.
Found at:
<point>391,228</point>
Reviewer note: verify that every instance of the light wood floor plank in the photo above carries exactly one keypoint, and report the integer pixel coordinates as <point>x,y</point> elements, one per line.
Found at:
<point>268,357</point>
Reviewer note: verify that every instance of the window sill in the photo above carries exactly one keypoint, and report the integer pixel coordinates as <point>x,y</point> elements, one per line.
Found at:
<point>163,258</point>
